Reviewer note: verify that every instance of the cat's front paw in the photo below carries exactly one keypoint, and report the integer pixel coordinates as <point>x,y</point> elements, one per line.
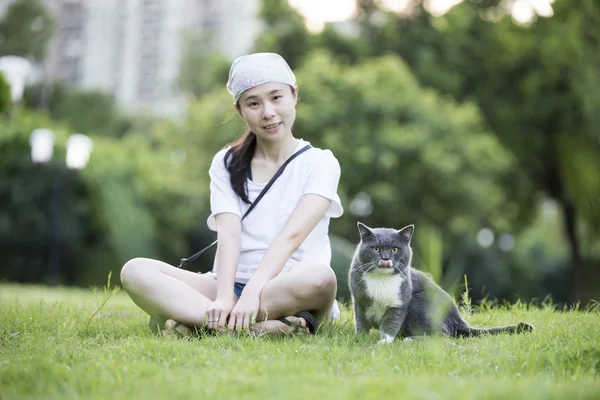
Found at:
<point>386,339</point>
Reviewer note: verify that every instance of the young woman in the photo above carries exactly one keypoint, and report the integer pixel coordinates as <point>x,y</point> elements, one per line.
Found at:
<point>272,269</point>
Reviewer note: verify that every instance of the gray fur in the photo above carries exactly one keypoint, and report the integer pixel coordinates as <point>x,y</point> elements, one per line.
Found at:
<point>421,306</point>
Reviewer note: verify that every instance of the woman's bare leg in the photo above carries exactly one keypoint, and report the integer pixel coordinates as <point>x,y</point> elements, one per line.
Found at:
<point>163,290</point>
<point>308,286</point>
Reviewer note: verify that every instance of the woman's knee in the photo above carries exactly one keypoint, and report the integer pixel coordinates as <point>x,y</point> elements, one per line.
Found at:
<point>322,281</point>
<point>135,272</point>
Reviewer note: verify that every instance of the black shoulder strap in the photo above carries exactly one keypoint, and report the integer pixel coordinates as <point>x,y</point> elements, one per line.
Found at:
<point>274,178</point>
<point>254,203</point>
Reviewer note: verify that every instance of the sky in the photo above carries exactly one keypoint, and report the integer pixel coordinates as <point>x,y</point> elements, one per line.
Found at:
<point>317,12</point>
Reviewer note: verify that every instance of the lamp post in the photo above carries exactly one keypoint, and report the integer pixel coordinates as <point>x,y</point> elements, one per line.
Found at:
<point>79,147</point>
<point>15,70</point>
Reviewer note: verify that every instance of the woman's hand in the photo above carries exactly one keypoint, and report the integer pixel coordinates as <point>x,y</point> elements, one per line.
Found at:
<point>218,312</point>
<point>245,311</point>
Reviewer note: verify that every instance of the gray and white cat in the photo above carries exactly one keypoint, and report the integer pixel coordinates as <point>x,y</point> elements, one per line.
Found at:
<point>390,295</point>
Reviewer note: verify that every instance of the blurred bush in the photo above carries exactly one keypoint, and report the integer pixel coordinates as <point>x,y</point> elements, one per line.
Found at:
<point>5,95</point>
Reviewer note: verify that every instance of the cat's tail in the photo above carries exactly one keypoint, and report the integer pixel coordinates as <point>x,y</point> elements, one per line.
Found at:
<point>467,330</point>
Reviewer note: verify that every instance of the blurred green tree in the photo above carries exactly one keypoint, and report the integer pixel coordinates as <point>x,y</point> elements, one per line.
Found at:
<point>417,155</point>
<point>132,200</point>
<point>347,48</point>
<point>5,95</point>
<point>284,32</point>
<point>203,68</point>
<point>86,111</point>
<point>531,82</point>
<point>26,30</point>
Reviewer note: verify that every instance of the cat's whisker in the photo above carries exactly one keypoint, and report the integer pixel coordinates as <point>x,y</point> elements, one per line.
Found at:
<point>367,267</point>
<point>402,269</point>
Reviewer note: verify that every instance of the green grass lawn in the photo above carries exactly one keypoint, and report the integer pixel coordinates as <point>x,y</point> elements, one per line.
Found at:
<point>53,344</point>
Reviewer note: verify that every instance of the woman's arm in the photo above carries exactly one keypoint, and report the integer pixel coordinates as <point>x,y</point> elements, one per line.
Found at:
<point>225,219</point>
<point>229,230</point>
<point>306,215</point>
<point>228,251</point>
<point>319,190</point>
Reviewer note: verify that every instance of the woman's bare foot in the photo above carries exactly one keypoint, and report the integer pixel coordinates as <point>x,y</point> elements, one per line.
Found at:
<point>270,327</point>
<point>173,327</point>
<point>276,327</point>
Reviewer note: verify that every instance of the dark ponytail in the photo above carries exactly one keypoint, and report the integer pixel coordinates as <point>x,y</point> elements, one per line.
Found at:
<point>237,161</point>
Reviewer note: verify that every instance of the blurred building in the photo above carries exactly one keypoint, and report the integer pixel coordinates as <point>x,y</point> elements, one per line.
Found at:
<point>133,48</point>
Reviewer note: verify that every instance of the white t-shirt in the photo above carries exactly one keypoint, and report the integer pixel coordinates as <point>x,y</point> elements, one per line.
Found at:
<point>315,171</point>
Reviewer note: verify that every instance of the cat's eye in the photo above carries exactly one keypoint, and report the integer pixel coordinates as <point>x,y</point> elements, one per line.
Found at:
<point>394,250</point>
<point>376,249</point>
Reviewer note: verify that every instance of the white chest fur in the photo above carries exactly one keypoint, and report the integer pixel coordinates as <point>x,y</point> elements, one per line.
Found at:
<point>383,289</point>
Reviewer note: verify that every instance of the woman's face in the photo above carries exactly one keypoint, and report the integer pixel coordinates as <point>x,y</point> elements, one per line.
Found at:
<point>269,110</point>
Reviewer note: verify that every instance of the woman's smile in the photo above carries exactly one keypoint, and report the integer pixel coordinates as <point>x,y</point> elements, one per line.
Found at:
<point>272,128</point>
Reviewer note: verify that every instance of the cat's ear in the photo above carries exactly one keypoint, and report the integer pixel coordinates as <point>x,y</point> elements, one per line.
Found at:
<point>406,232</point>
<point>364,230</point>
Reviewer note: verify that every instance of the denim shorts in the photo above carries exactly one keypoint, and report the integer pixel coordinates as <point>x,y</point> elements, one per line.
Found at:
<point>237,289</point>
